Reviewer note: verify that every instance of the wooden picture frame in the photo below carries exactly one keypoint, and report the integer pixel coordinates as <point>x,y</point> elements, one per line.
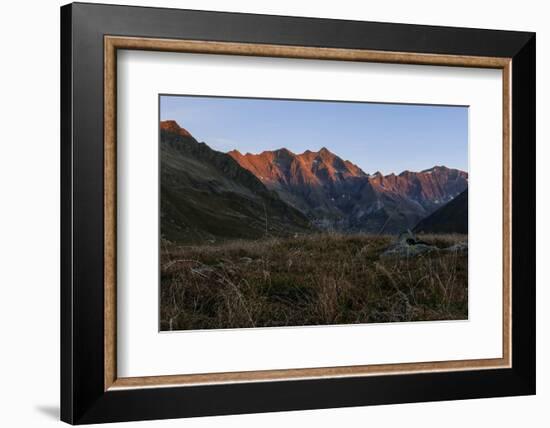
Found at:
<point>91,390</point>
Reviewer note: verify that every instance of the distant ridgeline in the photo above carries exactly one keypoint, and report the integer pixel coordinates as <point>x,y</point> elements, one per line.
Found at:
<point>206,194</point>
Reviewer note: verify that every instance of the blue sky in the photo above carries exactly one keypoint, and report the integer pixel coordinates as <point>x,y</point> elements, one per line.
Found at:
<point>376,137</point>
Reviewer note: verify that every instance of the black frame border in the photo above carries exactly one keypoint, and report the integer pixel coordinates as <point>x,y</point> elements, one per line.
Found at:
<point>83,399</point>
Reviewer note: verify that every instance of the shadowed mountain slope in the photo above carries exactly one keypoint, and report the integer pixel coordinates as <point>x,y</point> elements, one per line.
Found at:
<point>450,218</point>
<point>207,195</point>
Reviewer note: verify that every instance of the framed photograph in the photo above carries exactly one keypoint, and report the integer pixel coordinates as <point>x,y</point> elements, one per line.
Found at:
<point>266,213</point>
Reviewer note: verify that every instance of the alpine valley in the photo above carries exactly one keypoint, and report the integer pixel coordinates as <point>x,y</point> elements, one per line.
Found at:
<point>279,239</point>
<point>212,195</point>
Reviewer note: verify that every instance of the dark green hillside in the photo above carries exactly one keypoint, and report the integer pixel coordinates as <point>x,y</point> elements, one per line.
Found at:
<point>207,195</point>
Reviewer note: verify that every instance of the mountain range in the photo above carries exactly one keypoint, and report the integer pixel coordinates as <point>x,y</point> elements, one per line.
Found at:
<point>206,193</point>
<point>336,193</point>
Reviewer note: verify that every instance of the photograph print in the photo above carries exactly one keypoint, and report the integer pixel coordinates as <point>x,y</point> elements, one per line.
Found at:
<point>281,213</point>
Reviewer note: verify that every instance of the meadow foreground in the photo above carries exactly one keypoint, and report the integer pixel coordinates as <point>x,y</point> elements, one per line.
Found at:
<point>317,279</point>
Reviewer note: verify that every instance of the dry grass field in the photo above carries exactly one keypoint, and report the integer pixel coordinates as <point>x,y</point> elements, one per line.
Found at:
<point>315,279</point>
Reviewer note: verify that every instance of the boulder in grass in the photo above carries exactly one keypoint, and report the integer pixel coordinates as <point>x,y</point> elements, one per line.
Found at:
<point>408,245</point>
<point>460,247</point>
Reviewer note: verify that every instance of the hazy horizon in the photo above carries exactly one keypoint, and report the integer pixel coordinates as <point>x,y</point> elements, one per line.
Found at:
<point>390,138</point>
